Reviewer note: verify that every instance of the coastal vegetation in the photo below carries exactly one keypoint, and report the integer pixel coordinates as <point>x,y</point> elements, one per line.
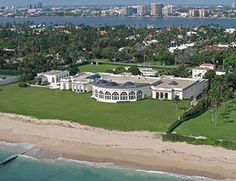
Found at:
<point>31,49</point>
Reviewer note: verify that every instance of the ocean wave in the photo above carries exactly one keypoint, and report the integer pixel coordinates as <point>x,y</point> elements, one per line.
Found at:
<point>88,163</point>
<point>26,146</point>
<point>186,177</point>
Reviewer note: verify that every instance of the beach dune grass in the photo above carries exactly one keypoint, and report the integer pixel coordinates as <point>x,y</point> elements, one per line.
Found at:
<point>203,125</point>
<point>43,103</point>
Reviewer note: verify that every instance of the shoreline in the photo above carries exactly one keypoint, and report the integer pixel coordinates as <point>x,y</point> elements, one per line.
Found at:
<point>137,150</point>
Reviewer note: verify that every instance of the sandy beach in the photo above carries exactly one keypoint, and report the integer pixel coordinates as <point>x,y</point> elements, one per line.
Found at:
<point>139,150</point>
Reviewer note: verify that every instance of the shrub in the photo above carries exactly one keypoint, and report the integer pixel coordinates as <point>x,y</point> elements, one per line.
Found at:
<point>134,70</point>
<point>120,70</point>
<point>22,84</point>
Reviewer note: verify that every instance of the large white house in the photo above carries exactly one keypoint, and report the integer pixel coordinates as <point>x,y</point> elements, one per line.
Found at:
<point>112,88</point>
<point>53,77</point>
<point>199,72</point>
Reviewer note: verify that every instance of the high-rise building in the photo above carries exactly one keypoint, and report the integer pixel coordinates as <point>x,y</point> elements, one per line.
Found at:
<point>132,11</point>
<point>125,10</point>
<point>156,9</point>
<point>167,10</point>
<point>234,5</point>
<point>39,5</point>
<point>203,13</point>
<point>140,10</point>
<point>193,13</point>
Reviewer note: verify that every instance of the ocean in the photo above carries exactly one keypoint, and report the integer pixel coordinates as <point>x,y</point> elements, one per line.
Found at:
<point>40,164</point>
<point>114,20</point>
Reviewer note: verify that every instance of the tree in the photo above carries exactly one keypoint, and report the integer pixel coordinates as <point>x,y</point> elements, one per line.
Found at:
<point>73,70</point>
<point>134,70</point>
<point>210,75</point>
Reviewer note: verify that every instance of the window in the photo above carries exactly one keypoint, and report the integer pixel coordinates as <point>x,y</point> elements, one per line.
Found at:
<point>64,85</point>
<point>157,95</point>
<point>96,93</point>
<point>101,95</point>
<point>131,96</point>
<point>123,96</point>
<point>161,95</point>
<point>115,96</point>
<point>53,79</point>
<point>139,94</point>
<point>108,95</point>
<point>166,95</point>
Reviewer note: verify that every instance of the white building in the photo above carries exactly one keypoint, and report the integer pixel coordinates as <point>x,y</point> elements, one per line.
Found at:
<point>148,72</point>
<point>79,83</point>
<point>53,77</point>
<point>199,72</point>
<point>112,88</point>
<point>184,88</point>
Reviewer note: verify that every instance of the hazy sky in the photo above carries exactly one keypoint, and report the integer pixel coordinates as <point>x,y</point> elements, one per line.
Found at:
<point>100,2</point>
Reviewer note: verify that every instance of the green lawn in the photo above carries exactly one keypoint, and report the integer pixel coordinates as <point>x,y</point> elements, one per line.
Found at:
<point>203,125</point>
<point>152,115</point>
<point>97,68</point>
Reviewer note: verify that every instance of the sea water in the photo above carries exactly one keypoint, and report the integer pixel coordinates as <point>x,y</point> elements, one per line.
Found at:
<point>56,168</point>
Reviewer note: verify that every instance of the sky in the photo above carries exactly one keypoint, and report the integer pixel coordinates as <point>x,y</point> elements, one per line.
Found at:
<point>107,2</point>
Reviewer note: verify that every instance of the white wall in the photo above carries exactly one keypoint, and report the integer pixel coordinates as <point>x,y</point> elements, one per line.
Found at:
<point>145,90</point>
<point>10,80</point>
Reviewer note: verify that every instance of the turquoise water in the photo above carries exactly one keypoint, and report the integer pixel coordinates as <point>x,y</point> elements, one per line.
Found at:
<point>29,169</point>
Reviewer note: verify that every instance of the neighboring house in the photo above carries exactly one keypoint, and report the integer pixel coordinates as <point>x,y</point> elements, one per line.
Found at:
<point>149,72</point>
<point>199,72</point>
<point>52,77</point>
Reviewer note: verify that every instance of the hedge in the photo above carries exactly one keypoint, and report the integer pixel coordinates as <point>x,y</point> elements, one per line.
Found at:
<point>194,112</point>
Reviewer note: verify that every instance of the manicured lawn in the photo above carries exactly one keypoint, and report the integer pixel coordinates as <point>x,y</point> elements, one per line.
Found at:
<point>203,125</point>
<point>152,115</point>
<point>97,68</point>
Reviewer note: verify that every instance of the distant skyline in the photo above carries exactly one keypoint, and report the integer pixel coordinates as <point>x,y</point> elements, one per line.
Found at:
<point>108,2</point>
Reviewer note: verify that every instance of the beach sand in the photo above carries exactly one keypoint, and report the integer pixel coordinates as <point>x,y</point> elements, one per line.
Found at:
<point>138,150</point>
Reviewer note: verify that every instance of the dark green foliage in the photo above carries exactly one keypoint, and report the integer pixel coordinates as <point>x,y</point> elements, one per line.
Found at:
<point>210,75</point>
<point>134,70</point>
<point>73,70</point>
<point>180,71</point>
<point>23,84</point>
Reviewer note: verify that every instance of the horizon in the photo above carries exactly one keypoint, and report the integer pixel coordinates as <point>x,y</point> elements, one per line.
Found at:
<point>115,2</point>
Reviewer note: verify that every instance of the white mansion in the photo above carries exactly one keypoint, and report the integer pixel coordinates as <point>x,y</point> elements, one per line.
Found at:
<point>112,88</point>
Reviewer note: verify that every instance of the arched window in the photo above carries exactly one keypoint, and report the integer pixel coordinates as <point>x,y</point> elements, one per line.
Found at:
<point>101,95</point>
<point>108,95</point>
<point>96,93</point>
<point>123,96</point>
<point>115,96</point>
<point>53,79</point>
<point>139,94</point>
<point>131,95</point>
